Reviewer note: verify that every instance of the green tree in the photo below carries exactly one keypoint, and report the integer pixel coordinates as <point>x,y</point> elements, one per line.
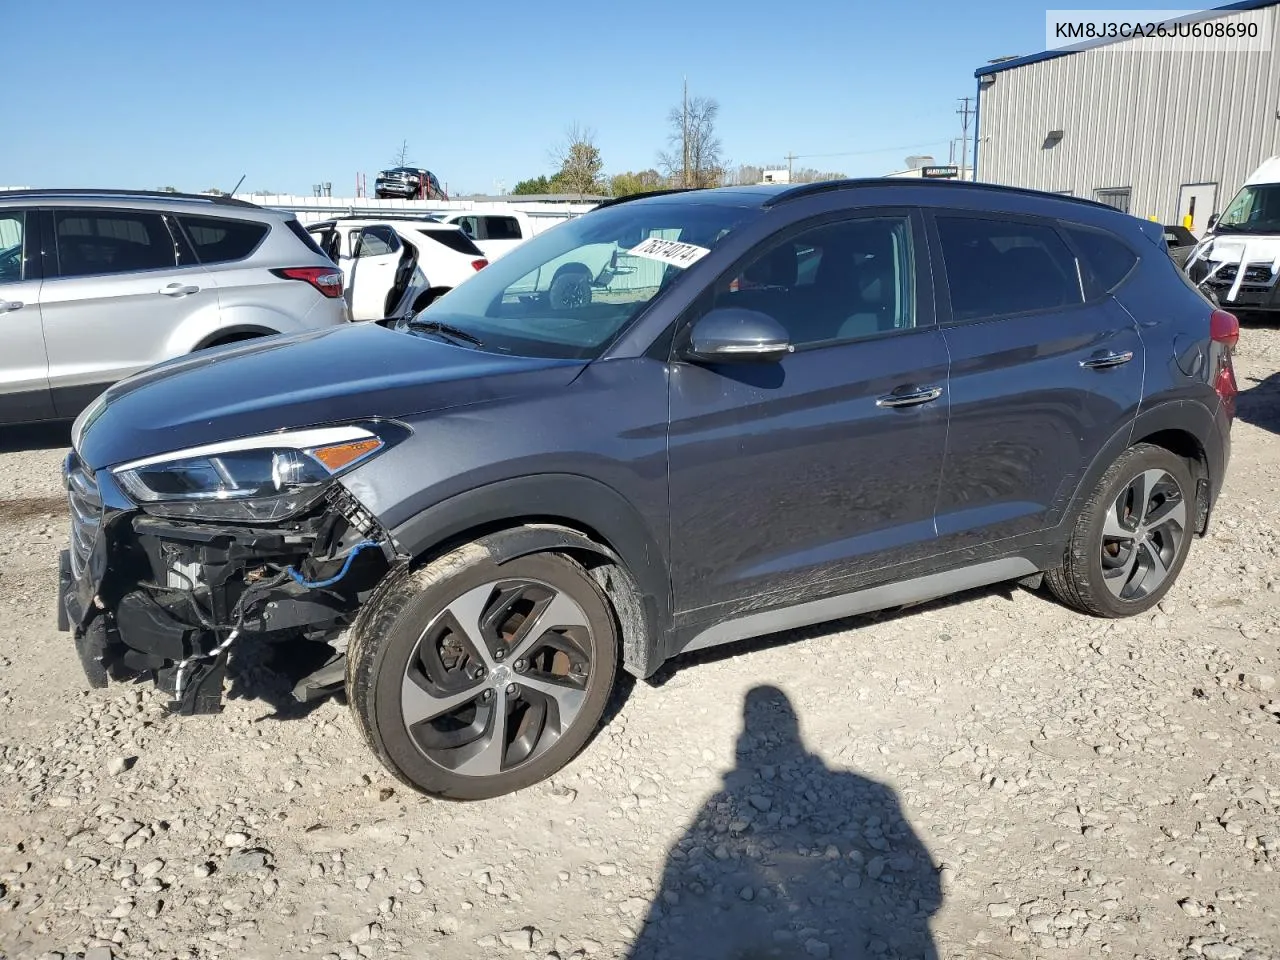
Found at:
<point>625,184</point>
<point>534,185</point>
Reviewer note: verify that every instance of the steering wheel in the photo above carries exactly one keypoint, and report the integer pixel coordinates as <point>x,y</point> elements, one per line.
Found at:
<point>11,265</point>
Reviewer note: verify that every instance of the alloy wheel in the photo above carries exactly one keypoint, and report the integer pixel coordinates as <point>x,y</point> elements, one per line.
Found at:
<point>497,677</point>
<point>1142,534</point>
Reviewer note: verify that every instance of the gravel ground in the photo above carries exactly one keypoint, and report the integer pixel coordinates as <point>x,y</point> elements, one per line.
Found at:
<point>989,776</point>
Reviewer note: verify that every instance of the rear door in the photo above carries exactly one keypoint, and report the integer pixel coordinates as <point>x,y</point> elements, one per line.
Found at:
<point>118,294</point>
<point>24,365</point>
<point>375,257</point>
<point>788,478</point>
<point>1045,369</point>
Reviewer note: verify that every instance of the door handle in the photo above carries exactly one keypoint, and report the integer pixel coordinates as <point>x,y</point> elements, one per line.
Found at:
<point>1105,361</point>
<point>178,290</point>
<point>910,397</point>
<point>8,306</point>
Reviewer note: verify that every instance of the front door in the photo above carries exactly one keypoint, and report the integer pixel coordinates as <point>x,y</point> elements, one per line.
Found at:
<point>1045,368</point>
<point>24,366</point>
<point>788,477</point>
<point>1196,204</point>
<point>375,258</point>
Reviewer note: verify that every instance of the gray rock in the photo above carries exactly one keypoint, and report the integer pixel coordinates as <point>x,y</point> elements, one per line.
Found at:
<point>247,861</point>
<point>236,839</point>
<point>816,948</point>
<point>1221,951</point>
<point>1000,910</point>
<point>521,939</point>
<point>760,802</point>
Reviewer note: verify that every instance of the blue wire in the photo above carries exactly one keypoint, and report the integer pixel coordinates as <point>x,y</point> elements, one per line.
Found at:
<point>321,584</point>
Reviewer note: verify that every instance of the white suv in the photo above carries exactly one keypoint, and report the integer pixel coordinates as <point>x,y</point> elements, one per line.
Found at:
<point>395,265</point>
<point>97,285</point>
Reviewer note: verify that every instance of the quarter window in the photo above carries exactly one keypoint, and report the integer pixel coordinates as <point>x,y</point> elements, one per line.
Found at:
<point>12,232</point>
<point>218,240</point>
<point>1106,260</point>
<point>999,267</point>
<point>841,281</point>
<point>96,242</point>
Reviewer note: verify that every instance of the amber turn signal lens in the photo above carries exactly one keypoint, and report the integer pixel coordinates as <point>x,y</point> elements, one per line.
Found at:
<point>341,455</point>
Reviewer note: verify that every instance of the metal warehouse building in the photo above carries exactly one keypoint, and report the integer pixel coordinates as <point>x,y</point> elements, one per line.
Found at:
<point>1160,132</point>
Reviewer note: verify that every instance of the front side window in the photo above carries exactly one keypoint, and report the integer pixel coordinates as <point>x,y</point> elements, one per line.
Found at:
<point>999,267</point>
<point>376,241</point>
<point>12,233</point>
<point>97,242</point>
<point>468,226</point>
<point>219,240</point>
<point>841,281</point>
<point>569,291</point>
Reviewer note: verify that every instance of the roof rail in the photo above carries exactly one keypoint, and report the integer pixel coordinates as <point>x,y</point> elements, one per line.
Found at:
<point>614,201</point>
<point>828,186</point>
<point>86,193</point>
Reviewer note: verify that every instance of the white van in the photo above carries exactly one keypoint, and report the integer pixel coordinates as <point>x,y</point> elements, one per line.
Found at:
<point>1238,262</point>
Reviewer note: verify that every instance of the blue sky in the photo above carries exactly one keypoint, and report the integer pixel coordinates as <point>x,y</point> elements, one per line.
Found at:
<point>193,93</point>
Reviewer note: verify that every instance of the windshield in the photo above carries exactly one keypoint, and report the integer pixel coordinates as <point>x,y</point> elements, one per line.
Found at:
<point>1255,209</point>
<point>569,291</point>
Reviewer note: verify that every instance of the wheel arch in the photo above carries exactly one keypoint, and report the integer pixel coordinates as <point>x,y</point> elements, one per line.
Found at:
<point>234,334</point>
<point>566,513</point>
<point>1183,427</point>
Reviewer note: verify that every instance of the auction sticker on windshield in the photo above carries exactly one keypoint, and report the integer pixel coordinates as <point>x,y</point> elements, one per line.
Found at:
<point>669,251</point>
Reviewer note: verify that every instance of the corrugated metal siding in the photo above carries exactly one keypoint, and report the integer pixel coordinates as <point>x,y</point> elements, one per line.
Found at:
<point>1148,121</point>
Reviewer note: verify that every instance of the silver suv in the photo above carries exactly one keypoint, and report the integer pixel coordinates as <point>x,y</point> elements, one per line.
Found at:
<point>97,285</point>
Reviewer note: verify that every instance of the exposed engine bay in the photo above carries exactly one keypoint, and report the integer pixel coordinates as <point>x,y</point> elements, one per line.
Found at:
<point>177,596</point>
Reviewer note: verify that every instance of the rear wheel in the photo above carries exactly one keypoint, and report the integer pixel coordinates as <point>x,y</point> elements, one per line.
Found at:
<point>1131,538</point>
<point>471,679</point>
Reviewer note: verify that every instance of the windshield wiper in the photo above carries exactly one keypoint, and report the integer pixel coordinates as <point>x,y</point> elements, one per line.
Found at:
<point>448,331</point>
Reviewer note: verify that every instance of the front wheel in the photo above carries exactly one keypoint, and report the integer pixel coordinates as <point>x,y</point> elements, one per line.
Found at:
<point>471,679</point>
<point>1132,537</point>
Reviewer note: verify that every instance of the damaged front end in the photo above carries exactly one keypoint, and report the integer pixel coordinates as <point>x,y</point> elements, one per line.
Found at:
<point>175,560</point>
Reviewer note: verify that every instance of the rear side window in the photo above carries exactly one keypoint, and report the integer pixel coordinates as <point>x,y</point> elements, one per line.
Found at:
<point>455,240</point>
<point>97,242</point>
<point>217,240</point>
<point>1106,260</point>
<point>502,228</point>
<point>1000,267</point>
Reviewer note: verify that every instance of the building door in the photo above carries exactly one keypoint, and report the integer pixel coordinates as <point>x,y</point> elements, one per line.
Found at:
<point>1197,202</point>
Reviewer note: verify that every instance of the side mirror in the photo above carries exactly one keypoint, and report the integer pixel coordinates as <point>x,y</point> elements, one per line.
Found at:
<point>1213,221</point>
<point>735,335</point>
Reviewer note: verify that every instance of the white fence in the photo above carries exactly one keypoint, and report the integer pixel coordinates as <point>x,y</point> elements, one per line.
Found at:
<point>542,214</point>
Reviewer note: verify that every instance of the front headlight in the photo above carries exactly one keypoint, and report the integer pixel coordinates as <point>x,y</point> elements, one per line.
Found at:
<point>263,478</point>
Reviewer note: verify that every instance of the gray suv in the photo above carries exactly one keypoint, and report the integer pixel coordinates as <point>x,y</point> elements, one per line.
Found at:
<point>97,285</point>
<point>726,413</point>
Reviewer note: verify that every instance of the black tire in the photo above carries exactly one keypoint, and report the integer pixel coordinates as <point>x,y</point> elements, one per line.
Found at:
<point>1092,577</point>
<point>384,653</point>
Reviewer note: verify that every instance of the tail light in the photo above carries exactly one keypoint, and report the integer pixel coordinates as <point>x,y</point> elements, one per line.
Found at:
<point>479,265</point>
<point>1224,329</point>
<point>325,279</point>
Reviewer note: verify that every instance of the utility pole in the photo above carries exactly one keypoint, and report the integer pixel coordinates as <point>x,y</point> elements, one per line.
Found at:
<point>790,157</point>
<point>684,135</point>
<point>965,113</point>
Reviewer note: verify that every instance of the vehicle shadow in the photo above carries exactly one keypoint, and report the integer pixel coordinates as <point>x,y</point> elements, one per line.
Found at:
<point>792,860</point>
<point>35,436</point>
<point>1259,404</point>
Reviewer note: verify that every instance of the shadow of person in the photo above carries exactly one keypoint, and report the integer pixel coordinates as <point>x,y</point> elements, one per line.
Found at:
<point>791,860</point>
<point>1259,402</point>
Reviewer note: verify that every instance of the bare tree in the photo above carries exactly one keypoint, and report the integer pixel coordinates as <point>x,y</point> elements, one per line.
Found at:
<point>693,157</point>
<point>401,159</point>
<point>580,163</point>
